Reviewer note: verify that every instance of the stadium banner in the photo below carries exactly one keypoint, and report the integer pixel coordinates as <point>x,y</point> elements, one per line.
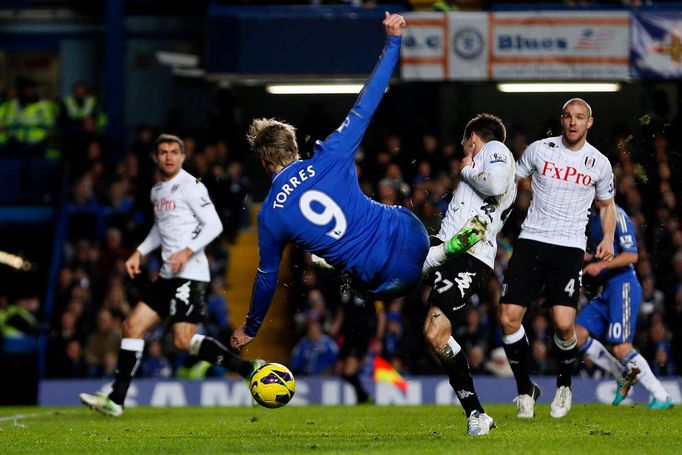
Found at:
<point>333,391</point>
<point>566,45</point>
<point>445,46</point>
<point>657,44</point>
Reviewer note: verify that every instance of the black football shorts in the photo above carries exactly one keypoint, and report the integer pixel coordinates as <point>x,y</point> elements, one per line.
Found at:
<point>538,268</point>
<point>454,282</point>
<point>179,299</point>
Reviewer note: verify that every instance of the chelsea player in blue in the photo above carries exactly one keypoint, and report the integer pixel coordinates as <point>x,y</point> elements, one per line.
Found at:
<point>318,204</point>
<point>612,314</point>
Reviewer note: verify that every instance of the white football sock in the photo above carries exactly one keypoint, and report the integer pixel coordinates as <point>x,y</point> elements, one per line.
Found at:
<point>436,257</point>
<point>600,356</point>
<point>646,377</point>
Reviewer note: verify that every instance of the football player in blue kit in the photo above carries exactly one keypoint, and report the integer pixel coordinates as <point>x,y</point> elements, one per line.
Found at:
<point>318,204</point>
<point>612,314</point>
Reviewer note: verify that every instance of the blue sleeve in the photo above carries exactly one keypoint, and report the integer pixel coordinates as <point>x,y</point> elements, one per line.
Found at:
<point>625,234</point>
<point>346,139</point>
<point>270,246</point>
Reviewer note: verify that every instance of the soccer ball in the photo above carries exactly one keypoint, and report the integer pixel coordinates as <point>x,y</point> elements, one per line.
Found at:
<point>272,385</point>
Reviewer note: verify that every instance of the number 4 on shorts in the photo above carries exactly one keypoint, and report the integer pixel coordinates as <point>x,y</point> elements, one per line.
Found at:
<point>570,287</point>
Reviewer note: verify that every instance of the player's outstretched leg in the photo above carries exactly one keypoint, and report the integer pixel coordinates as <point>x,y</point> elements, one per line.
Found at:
<point>255,365</point>
<point>210,350</point>
<point>472,232</point>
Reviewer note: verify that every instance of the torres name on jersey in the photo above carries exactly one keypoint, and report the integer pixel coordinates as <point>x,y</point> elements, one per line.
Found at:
<point>292,183</point>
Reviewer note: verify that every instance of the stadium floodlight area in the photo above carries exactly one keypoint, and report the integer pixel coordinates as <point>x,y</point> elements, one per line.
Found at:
<point>176,59</point>
<point>313,89</point>
<point>14,261</point>
<point>557,87</point>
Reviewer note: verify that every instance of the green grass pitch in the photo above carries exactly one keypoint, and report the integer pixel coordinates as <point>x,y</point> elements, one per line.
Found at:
<point>589,429</point>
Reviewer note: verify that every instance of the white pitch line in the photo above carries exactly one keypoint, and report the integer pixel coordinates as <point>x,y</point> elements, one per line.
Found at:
<point>16,417</point>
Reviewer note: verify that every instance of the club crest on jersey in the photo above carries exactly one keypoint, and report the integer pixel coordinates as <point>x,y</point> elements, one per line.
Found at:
<point>590,161</point>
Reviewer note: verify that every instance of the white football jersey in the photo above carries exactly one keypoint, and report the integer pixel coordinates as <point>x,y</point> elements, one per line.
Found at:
<point>564,184</point>
<point>184,216</point>
<point>488,189</point>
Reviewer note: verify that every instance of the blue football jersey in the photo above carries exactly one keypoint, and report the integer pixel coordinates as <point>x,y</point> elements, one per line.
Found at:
<point>624,241</point>
<point>318,204</point>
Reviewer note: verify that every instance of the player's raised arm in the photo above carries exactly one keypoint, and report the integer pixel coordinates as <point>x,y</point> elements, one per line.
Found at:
<point>270,248</point>
<point>493,179</point>
<point>347,137</point>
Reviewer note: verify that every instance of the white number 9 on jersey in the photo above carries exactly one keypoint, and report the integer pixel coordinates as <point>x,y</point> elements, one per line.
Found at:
<point>330,211</point>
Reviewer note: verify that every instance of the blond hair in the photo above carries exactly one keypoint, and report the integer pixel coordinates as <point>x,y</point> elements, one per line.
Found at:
<point>273,141</point>
<point>577,101</point>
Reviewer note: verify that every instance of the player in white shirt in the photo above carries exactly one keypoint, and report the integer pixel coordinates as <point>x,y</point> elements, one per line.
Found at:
<point>567,173</point>
<point>485,194</point>
<point>185,222</point>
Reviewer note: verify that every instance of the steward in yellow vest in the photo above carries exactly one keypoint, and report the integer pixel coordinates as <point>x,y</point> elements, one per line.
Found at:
<point>32,118</point>
<point>19,327</point>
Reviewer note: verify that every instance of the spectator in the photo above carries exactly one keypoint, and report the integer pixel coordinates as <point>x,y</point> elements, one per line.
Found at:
<point>315,354</point>
<point>393,336</point>
<point>498,364</point>
<point>662,364</point>
<point>218,319</point>
<point>105,340</point>
<point>155,363</point>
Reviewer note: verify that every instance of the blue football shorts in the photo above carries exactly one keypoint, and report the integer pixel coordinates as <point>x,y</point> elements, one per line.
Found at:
<point>612,315</point>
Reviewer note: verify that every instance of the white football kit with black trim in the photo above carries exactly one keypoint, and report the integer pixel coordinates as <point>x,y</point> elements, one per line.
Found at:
<point>487,189</point>
<point>564,184</point>
<point>184,216</point>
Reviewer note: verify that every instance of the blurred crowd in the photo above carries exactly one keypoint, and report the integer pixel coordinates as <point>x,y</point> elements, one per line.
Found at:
<point>110,214</point>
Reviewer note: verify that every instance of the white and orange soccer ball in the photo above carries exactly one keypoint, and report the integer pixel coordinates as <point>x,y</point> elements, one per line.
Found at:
<point>272,385</point>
